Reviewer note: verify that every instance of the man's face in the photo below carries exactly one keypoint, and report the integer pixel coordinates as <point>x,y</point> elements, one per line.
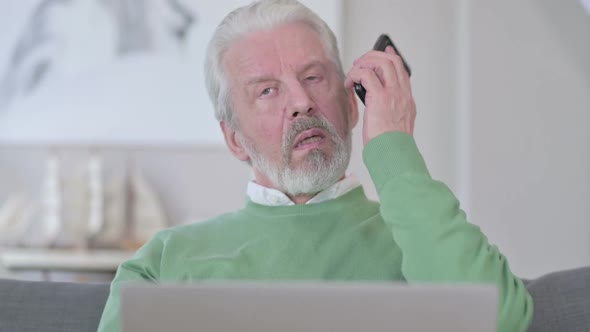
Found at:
<point>294,115</point>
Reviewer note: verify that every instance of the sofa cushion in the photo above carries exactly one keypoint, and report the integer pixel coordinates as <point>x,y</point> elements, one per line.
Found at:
<point>50,306</point>
<point>561,300</point>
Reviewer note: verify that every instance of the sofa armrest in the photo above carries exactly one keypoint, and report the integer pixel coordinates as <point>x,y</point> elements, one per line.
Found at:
<point>561,300</point>
<point>51,306</point>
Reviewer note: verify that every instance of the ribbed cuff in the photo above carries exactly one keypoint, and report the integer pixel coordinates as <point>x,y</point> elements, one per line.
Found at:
<point>391,154</point>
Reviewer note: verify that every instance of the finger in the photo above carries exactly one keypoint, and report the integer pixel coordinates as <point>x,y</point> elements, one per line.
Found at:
<point>400,69</point>
<point>366,77</point>
<point>363,63</point>
<point>348,82</point>
<point>384,68</point>
<point>390,55</point>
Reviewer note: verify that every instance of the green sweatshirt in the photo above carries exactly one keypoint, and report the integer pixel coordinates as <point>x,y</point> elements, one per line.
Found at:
<point>417,234</point>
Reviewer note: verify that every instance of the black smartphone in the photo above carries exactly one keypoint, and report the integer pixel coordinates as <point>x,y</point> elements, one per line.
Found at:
<point>382,42</point>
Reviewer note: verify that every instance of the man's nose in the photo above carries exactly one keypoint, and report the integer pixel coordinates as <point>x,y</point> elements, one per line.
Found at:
<point>301,102</point>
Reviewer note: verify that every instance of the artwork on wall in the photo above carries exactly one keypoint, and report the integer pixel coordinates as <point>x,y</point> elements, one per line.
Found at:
<point>112,71</point>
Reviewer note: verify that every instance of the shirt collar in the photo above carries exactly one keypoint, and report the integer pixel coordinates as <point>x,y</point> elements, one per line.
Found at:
<point>272,197</point>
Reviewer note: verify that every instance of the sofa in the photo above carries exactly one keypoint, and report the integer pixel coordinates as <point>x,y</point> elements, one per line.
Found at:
<point>562,303</point>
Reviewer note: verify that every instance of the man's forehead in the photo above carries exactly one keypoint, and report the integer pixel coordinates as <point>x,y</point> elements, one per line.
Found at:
<point>256,76</point>
<point>293,47</point>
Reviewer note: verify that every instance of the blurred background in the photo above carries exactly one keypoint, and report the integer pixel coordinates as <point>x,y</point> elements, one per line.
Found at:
<point>107,134</point>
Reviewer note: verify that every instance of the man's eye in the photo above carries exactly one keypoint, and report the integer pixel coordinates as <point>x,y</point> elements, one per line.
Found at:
<point>312,78</point>
<point>266,91</point>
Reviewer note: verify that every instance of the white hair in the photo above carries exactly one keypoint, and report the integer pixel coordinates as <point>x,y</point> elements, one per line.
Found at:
<point>259,15</point>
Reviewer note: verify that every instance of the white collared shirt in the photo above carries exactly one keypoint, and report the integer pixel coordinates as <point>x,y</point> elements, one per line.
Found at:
<point>272,197</point>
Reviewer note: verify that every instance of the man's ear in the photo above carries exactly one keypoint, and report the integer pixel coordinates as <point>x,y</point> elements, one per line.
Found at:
<point>232,142</point>
<point>354,108</point>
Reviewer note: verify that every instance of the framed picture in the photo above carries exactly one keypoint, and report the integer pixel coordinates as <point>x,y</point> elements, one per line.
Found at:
<point>95,72</point>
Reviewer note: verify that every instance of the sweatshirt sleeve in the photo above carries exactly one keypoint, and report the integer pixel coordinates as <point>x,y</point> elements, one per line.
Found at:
<point>144,266</point>
<point>437,242</point>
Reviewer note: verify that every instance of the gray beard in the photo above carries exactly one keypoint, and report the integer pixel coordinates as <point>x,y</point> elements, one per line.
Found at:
<point>317,171</point>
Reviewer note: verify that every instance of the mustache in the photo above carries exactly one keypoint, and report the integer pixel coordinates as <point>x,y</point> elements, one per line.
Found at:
<point>303,124</point>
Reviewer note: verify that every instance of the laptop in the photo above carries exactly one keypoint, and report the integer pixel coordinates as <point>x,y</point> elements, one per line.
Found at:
<point>310,307</point>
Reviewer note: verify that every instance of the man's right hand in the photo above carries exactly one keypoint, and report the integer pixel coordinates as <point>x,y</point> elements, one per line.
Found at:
<point>389,102</point>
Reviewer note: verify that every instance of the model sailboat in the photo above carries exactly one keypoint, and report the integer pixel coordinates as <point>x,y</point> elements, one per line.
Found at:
<point>85,213</point>
<point>14,218</point>
<point>133,213</point>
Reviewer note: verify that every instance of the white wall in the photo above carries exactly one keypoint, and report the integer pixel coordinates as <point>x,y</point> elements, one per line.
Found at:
<point>531,131</point>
